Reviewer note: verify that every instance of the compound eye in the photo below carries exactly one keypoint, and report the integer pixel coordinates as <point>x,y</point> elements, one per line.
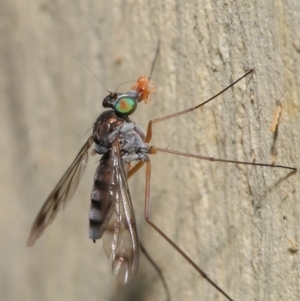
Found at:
<point>126,105</point>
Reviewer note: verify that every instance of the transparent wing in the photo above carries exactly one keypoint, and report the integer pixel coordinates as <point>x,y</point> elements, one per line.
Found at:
<point>120,241</point>
<point>61,194</point>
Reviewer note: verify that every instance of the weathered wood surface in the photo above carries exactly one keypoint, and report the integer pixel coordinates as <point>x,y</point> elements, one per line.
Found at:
<point>234,221</point>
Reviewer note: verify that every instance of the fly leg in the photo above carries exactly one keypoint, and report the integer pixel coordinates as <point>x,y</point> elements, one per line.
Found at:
<point>160,232</point>
<point>135,168</point>
<point>158,270</point>
<point>149,129</point>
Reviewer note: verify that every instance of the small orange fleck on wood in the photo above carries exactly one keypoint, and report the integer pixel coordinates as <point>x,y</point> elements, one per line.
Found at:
<point>118,60</point>
<point>294,247</point>
<point>275,119</point>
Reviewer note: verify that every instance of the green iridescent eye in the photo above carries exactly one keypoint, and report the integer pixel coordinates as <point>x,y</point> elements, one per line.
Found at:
<point>126,105</point>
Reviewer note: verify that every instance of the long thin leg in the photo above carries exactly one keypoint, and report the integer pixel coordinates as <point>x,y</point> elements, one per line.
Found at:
<point>147,217</point>
<point>135,168</point>
<point>149,129</point>
<point>158,270</point>
<point>154,150</point>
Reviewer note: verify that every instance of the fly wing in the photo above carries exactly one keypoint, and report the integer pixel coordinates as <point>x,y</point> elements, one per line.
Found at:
<point>61,194</point>
<point>120,241</point>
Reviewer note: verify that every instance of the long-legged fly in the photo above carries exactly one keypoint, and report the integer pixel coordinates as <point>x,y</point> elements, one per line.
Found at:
<point>120,141</point>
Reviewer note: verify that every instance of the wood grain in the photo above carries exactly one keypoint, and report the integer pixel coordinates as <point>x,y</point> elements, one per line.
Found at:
<point>232,220</point>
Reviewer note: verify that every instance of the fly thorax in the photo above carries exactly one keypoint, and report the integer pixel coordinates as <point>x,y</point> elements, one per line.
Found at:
<point>135,157</point>
<point>100,149</point>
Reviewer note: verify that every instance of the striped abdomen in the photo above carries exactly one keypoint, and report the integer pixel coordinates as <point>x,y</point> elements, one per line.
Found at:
<point>100,196</point>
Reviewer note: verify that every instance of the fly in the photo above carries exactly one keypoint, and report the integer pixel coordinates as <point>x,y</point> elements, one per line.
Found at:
<point>120,142</point>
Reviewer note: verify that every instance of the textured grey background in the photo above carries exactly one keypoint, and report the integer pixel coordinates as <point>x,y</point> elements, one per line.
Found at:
<point>234,221</point>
